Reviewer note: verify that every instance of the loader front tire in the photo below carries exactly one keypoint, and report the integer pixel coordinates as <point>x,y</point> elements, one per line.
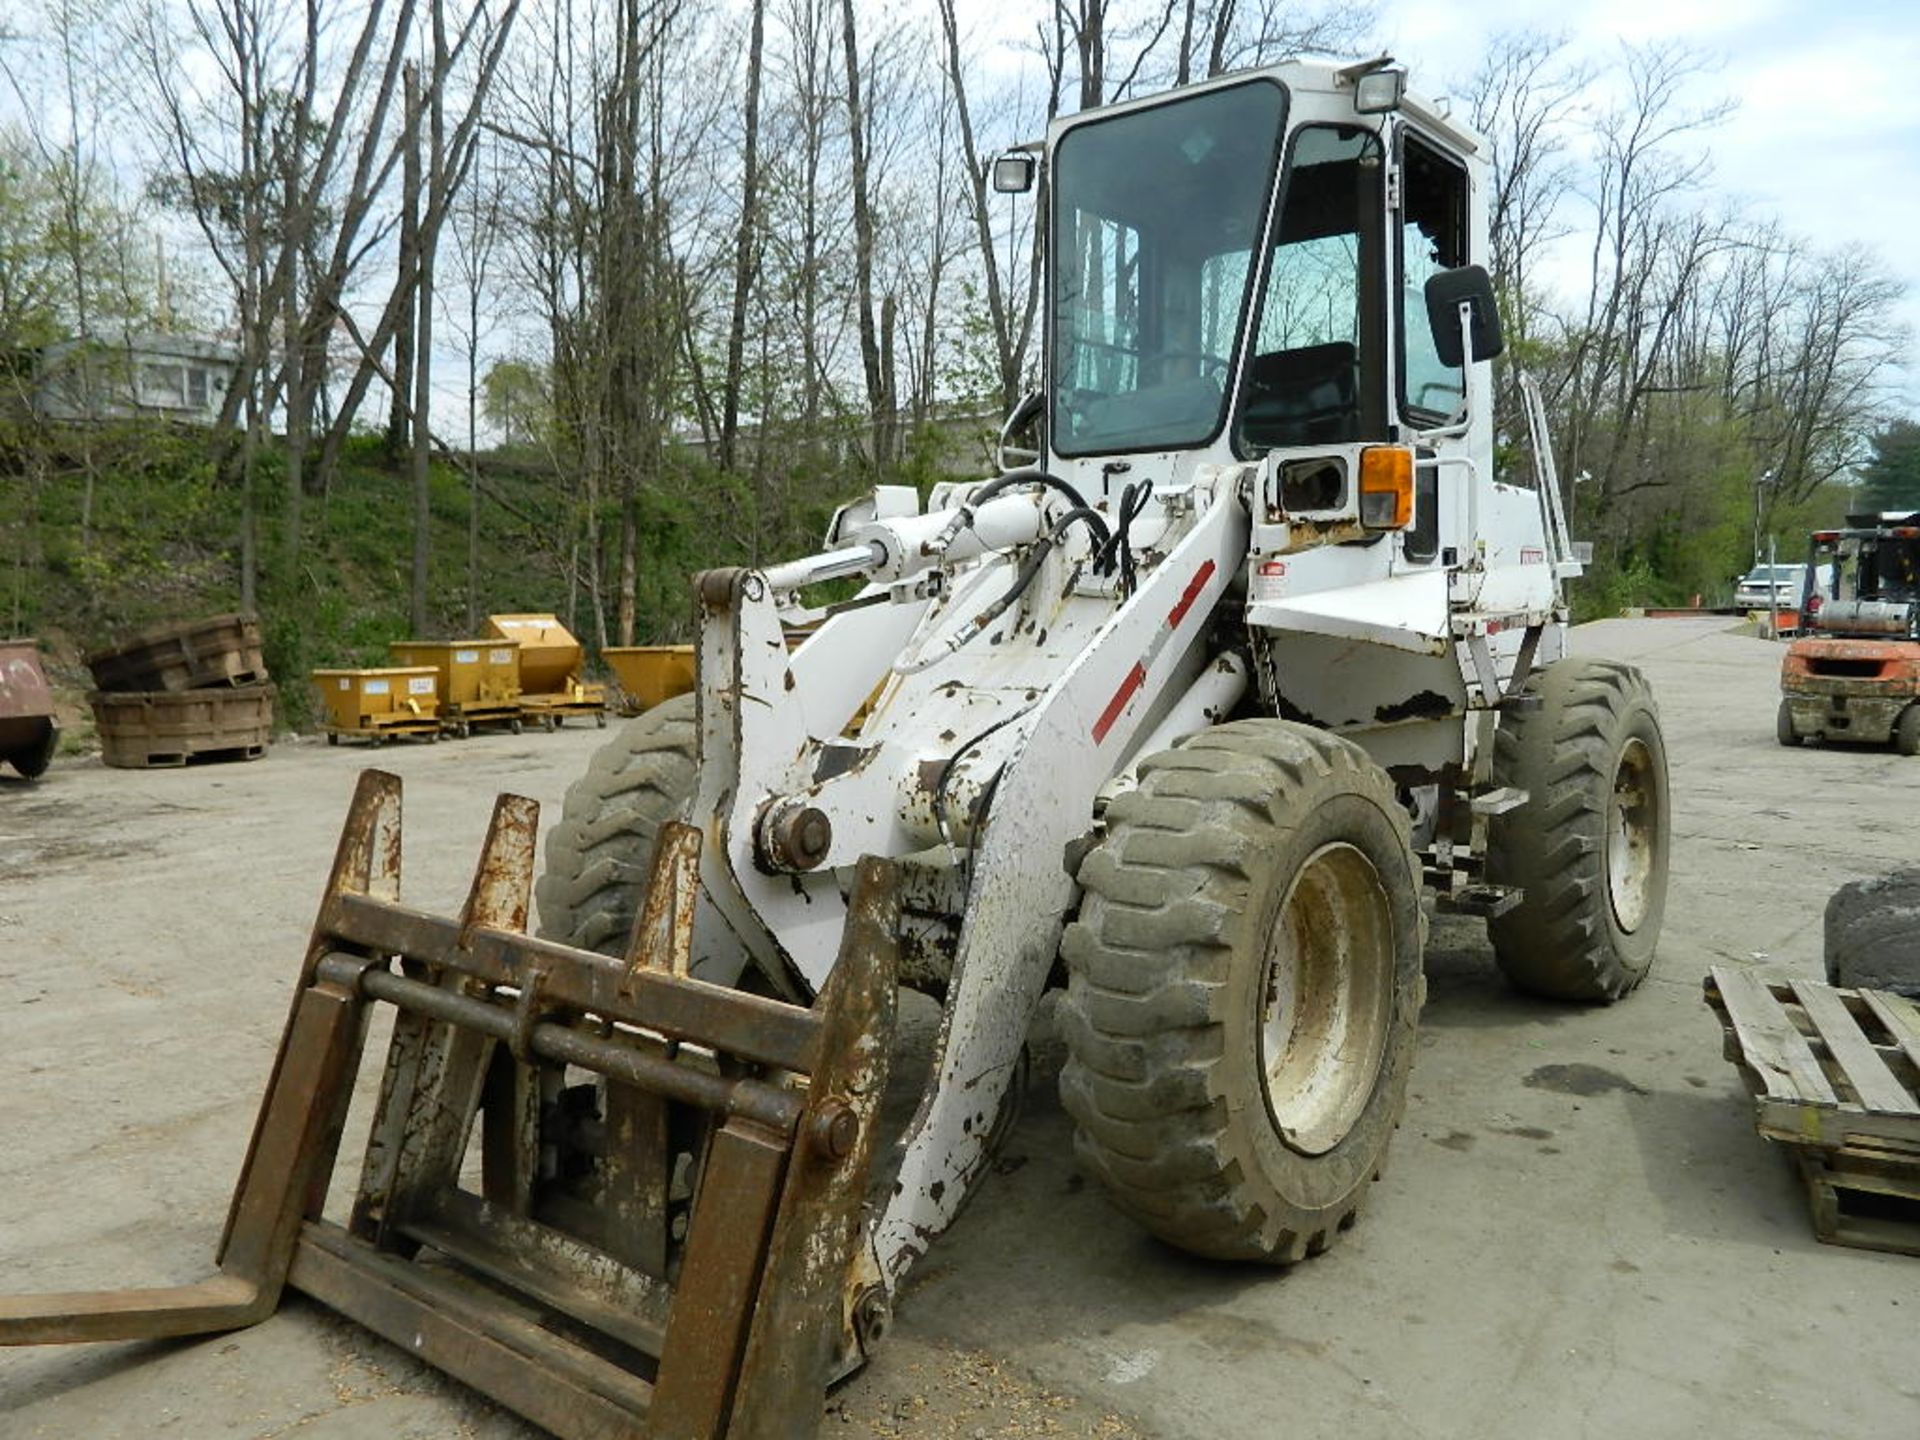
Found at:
<point>1589,848</point>
<point>1243,989</point>
<point>600,855</point>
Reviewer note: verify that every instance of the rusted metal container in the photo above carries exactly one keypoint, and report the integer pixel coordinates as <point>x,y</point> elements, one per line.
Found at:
<point>190,655</point>
<point>28,734</point>
<point>374,704</point>
<point>158,729</point>
<point>648,674</point>
<point>479,679</point>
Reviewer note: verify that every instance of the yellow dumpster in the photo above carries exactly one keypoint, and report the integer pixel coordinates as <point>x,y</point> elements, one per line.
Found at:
<point>648,674</point>
<point>551,667</point>
<point>479,679</point>
<point>374,704</point>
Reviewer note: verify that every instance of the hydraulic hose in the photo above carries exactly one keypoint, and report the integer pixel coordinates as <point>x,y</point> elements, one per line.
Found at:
<point>1029,569</point>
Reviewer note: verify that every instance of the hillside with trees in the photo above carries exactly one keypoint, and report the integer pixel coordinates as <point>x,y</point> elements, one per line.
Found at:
<point>547,303</point>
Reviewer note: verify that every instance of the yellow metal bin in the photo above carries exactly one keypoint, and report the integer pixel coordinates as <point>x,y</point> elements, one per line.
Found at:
<point>479,679</point>
<point>552,663</point>
<point>373,704</point>
<point>648,674</point>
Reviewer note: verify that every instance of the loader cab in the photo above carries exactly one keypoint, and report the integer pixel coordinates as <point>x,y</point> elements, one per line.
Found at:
<point>1238,273</point>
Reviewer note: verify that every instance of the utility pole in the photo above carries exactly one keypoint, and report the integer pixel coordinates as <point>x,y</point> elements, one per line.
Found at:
<point>1763,483</point>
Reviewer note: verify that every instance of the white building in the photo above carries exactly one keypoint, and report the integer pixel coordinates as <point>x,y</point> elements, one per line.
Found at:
<point>166,377</point>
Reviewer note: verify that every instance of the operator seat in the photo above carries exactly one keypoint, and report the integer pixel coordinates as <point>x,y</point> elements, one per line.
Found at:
<point>1309,396</point>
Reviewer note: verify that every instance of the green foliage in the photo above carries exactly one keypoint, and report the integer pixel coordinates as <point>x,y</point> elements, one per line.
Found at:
<point>164,544</point>
<point>69,248</point>
<point>517,396</point>
<point>1890,480</point>
<point>1700,551</point>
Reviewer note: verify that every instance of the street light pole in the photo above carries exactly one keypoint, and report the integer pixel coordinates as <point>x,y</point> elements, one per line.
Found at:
<point>1765,481</point>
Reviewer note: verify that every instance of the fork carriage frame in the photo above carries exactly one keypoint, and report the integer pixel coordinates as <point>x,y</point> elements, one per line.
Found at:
<point>681,1265</point>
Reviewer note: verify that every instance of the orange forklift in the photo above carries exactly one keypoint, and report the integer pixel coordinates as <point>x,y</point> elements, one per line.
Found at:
<point>1855,672</point>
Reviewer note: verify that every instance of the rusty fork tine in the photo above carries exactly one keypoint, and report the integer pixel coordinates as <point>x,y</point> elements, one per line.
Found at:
<point>662,936</point>
<point>365,862</point>
<point>502,889</point>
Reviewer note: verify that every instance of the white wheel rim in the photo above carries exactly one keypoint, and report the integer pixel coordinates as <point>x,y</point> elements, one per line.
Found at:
<point>1633,826</point>
<point>1326,998</point>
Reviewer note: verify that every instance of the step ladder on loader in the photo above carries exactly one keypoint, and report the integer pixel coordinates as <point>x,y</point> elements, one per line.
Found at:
<point>678,1260</point>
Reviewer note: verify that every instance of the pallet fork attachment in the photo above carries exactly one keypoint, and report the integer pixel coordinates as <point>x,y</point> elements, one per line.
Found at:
<point>668,1221</point>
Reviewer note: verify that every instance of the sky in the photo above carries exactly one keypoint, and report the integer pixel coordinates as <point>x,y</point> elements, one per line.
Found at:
<point>1824,136</point>
<point>1826,133</point>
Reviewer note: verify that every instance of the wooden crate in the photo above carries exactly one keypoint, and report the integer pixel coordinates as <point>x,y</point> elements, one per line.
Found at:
<point>223,650</point>
<point>165,728</point>
<point>1835,1076</point>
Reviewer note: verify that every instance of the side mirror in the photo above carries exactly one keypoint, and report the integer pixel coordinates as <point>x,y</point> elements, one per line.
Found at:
<point>1446,293</point>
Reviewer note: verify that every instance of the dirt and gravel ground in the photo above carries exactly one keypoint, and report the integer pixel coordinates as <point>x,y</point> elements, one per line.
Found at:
<point>1579,1233</point>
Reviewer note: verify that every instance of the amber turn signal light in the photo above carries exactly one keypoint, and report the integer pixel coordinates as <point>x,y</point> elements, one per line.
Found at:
<point>1386,487</point>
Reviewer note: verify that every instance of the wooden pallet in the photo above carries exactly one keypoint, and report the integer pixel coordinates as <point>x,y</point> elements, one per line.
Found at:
<point>1835,1076</point>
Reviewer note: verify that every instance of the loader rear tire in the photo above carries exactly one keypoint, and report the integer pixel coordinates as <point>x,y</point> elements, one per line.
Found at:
<point>1589,848</point>
<point>600,854</point>
<point>1243,989</point>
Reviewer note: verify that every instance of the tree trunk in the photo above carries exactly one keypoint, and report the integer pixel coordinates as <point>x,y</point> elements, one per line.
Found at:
<point>744,243</point>
<point>422,419</point>
<point>863,238</point>
<point>406,270</point>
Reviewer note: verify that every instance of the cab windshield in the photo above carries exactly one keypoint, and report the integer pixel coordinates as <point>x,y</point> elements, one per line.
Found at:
<point>1156,213</point>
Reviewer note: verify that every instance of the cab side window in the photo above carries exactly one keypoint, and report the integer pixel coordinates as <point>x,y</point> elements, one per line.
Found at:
<point>1314,377</point>
<point>1433,237</point>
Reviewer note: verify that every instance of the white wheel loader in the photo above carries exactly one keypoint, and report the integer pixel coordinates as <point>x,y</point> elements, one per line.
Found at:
<point>1184,712</point>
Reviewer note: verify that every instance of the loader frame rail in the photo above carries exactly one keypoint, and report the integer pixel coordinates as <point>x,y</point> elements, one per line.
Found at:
<point>670,1249</point>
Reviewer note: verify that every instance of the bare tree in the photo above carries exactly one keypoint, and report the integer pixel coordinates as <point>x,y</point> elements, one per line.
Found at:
<point>746,243</point>
<point>876,331</point>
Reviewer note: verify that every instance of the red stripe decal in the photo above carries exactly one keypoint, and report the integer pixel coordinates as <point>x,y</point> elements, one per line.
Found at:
<point>1136,677</point>
<point>1194,587</point>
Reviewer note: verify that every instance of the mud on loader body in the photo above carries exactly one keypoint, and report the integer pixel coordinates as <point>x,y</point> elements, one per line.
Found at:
<point>1187,713</point>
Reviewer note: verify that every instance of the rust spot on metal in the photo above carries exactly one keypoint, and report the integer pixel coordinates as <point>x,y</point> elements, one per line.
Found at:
<point>503,880</point>
<point>795,836</point>
<point>28,734</point>
<point>662,938</point>
<point>1311,534</point>
<point>716,587</point>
